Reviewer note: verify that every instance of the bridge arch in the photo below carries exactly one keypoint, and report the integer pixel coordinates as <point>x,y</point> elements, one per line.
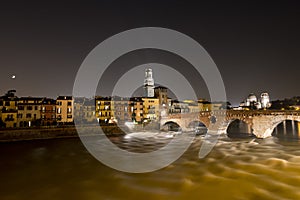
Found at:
<point>171,126</point>
<point>287,128</point>
<point>196,123</point>
<point>198,126</point>
<point>238,128</point>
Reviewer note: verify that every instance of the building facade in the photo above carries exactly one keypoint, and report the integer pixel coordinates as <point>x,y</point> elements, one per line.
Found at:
<point>48,112</point>
<point>29,111</point>
<point>9,110</point>
<point>65,109</point>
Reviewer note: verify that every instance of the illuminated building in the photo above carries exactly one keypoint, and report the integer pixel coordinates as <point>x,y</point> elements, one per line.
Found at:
<point>120,107</point>
<point>265,100</point>
<point>104,110</point>
<point>136,109</point>
<point>148,84</point>
<point>8,109</point>
<point>151,108</point>
<point>29,111</point>
<point>252,102</point>
<point>48,112</point>
<point>64,109</point>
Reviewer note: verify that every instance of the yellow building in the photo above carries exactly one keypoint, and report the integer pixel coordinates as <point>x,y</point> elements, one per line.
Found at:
<point>64,109</point>
<point>192,106</point>
<point>9,110</point>
<point>151,108</point>
<point>103,108</point>
<point>120,107</point>
<point>204,105</point>
<point>88,111</point>
<point>136,109</point>
<point>29,111</point>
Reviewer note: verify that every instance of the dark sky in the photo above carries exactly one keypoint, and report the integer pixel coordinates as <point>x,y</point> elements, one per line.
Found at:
<point>255,44</point>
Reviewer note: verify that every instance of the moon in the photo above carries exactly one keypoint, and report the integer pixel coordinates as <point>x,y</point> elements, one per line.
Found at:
<point>13,76</point>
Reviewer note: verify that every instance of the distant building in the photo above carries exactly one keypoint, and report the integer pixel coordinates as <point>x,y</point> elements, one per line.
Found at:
<point>265,100</point>
<point>29,111</point>
<point>151,108</point>
<point>251,100</point>
<point>84,110</point>
<point>9,110</point>
<point>88,111</point>
<point>136,109</point>
<point>176,106</point>
<point>64,109</point>
<point>104,109</point>
<point>48,112</point>
<point>253,103</point>
<point>161,93</point>
<point>120,107</point>
<point>78,109</point>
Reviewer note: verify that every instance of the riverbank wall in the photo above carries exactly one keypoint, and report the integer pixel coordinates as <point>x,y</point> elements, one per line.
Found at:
<point>9,135</point>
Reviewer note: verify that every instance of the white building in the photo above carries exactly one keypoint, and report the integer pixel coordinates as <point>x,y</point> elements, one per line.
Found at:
<point>251,99</point>
<point>265,100</point>
<point>253,103</point>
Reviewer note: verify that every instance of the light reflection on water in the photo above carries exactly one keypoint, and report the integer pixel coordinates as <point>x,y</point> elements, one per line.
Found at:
<point>236,169</point>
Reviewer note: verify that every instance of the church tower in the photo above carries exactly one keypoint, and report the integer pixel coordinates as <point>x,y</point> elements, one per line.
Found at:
<point>148,84</point>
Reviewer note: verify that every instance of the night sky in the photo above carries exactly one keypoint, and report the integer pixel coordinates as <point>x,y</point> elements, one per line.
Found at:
<point>255,44</point>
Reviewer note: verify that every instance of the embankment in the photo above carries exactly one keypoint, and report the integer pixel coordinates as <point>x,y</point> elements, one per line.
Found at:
<point>7,135</point>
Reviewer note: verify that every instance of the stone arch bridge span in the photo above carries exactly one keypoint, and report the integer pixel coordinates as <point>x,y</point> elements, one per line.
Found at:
<point>261,122</point>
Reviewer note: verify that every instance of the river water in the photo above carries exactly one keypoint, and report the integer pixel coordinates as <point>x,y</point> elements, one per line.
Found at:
<point>236,168</point>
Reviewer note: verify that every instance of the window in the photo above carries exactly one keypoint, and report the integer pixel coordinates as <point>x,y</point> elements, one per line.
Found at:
<point>36,107</point>
<point>58,110</point>
<point>20,115</point>
<point>7,103</point>
<point>21,107</point>
<point>69,116</point>
<point>34,116</point>
<point>28,115</point>
<point>43,109</point>
<point>106,107</point>
<point>29,107</point>
<point>69,110</point>
<point>69,103</point>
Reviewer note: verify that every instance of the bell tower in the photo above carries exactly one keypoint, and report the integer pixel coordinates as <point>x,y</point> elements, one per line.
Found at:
<point>148,83</point>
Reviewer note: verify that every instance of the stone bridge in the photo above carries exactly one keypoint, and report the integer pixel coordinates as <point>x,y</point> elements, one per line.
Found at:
<point>260,122</point>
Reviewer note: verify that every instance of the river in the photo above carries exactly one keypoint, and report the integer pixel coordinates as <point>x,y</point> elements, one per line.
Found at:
<point>237,168</point>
